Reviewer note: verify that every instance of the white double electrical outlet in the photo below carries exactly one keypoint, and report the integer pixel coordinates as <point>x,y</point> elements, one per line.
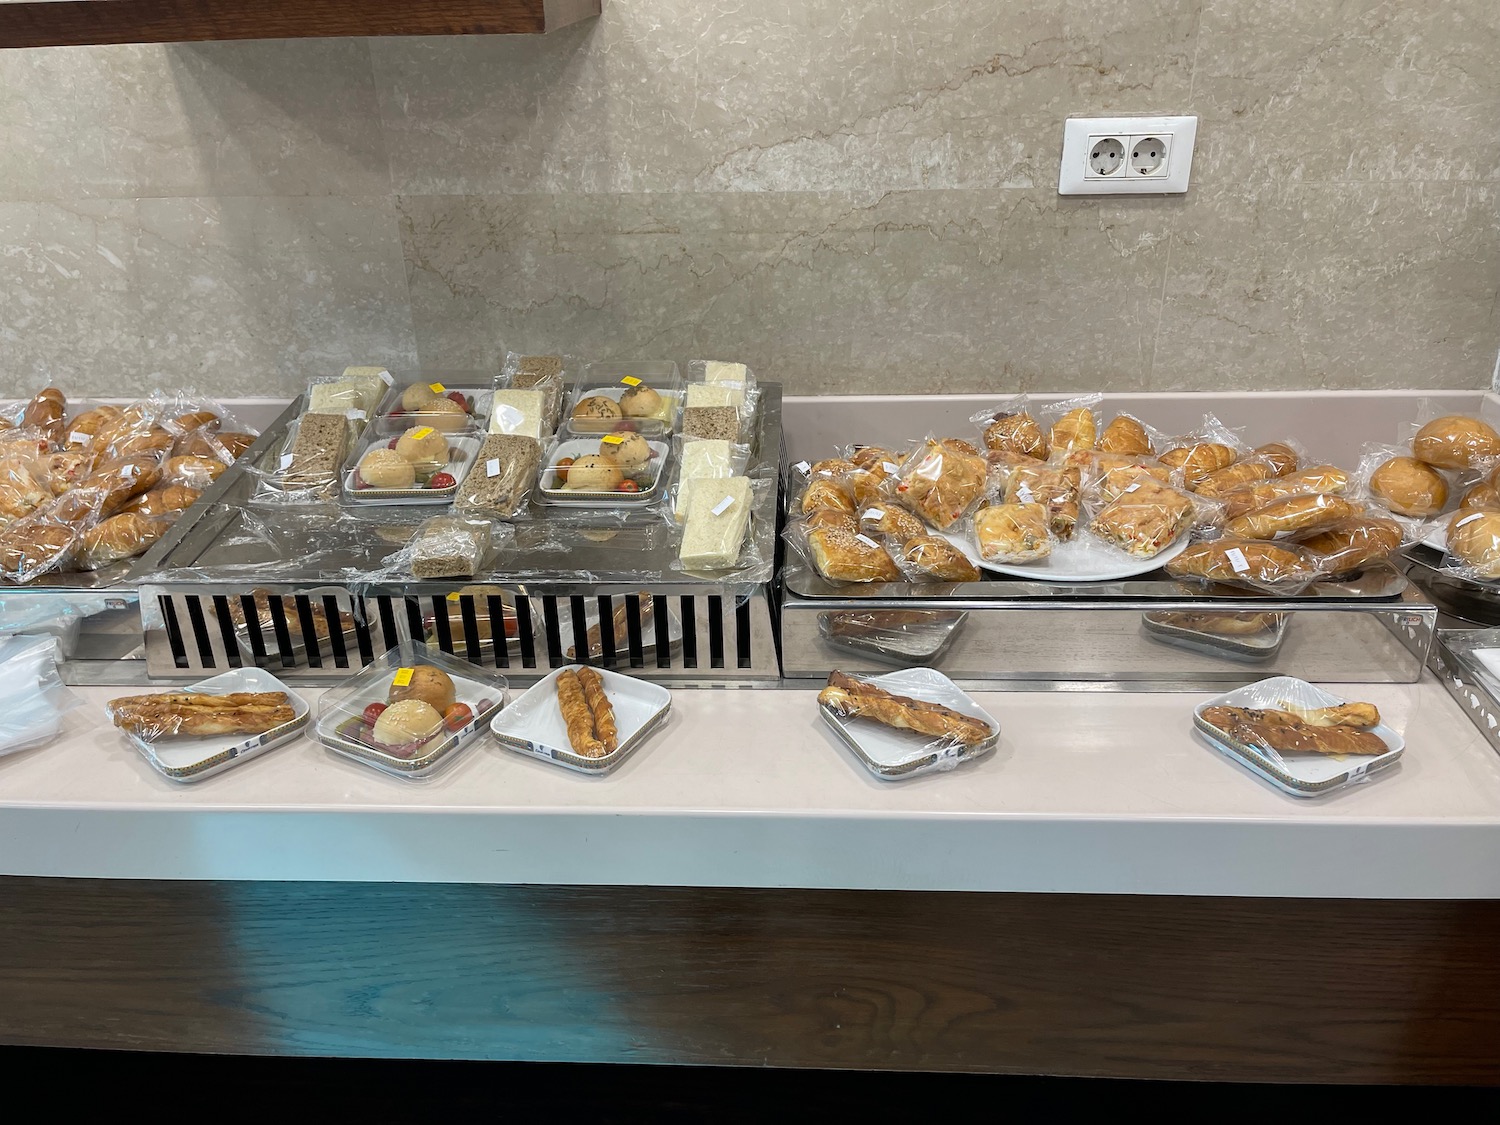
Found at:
<point>1126,155</point>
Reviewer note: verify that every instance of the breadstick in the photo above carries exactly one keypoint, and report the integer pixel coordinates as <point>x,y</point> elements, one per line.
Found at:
<point>604,713</point>
<point>578,717</point>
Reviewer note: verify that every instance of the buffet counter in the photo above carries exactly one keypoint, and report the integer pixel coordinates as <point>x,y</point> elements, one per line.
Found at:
<point>1106,793</point>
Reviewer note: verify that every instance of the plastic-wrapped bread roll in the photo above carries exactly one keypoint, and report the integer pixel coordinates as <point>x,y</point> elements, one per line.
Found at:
<point>1013,533</point>
<point>1474,539</point>
<point>718,515</point>
<point>1283,457</point>
<point>1456,442</point>
<point>45,413</point>
<point>1482,495</point>
<point>842,555</point>
<point>1125,435</point>
<point>1198,461</point>
<point>1017,433</point>
<point>1248,562</point>
<point>1410,487</point>
<point>119,537</point>
<point>1353,543</point>
<point>1290,516</point>
<point>1329,479</point>
<point>1221,482</point>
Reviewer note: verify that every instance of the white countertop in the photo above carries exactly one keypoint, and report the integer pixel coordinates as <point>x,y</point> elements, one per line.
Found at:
<point>1095,793</point>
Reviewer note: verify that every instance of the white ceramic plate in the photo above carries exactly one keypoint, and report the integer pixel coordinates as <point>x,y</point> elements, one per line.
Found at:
<point>1302,775</point>
<point>890,753</point>
<point>534,725</point>
<point>192,759</point>
<point>1081,559</point>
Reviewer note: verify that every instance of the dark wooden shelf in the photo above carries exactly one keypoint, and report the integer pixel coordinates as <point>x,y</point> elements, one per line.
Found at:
<point>72,23</point>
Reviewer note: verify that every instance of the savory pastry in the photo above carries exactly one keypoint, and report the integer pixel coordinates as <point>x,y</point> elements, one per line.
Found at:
<point>407,721</point>
<point>843,557</point>
<point>597,411</point>
<point>826,494</point>
<point>1410,487</point>
<point>1016,433</point>
<point>1198,461</point>
<point>941,484</point>
<point>619,626</point>
<point>1339,715</point>
<point>1144,521</point>
<point>1056,489</point>
<point>23,488</point>
<point>853,698</point>
<point>1352,543</point>
<point>630,452</point>
<point>1456,442</point>
<point>1112,485</point>
<point>195,472</point>
<point>1001,463</point>
<point>1077,429</point>
<point>1238,475</point>
<point>61,471</point>
<point>871,456</point>
<point>1285,733</point>
<point>834,468</point>
<point>122,536</point>
<point>261,599</point>
<point>45,413</point>
<point>887,519</point>
<point>1482,495</point>
<point>1125,434</point>
<point>934,559</point>
<point>593,473</point>
<point>1474,537</point>
<point>1329,479</point>
<point>164,501</point>
<point>1283,457</point>
<point>1012,533</point>
<point>865,485</point>
<point>832,517</point>
<point>198,716</point>
<point>426,683</point>
<point>577,716</point>
<point>642,402</point>
<point>35,544</point>
<point>604,714</point>
<point>1252,561</point>
<point>1282,518</point>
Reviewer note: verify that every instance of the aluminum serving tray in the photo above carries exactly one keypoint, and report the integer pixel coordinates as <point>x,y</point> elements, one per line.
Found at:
<point>242,679</point>
<point>1261,645</point>
<point>532,724</point>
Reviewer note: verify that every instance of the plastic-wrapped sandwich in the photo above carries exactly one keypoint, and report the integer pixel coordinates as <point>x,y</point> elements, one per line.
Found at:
<point>718,515</point>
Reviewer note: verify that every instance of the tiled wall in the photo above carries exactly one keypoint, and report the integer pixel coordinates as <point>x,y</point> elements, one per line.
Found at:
<point>850,196</point>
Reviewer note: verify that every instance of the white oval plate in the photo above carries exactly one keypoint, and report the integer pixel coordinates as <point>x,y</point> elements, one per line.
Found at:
<point>1081,559</point>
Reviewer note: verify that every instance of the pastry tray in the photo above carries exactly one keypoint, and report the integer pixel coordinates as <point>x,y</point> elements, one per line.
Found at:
<point>1179,629</point>
<point>193,759</point>
<point>533,724</point>
<point>1301,775</point>
<point>647,495</point>
<point>894,755</point>
<point>391,425</point>
<point>462,448</point>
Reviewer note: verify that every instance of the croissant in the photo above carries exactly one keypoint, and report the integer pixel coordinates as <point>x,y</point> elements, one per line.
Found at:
<point>164,501</point>
<point>1353,543</point>
<point>196,420</point>
<point>1016,433</point>
<point>1077,429</point>
<point>119,537</point>
<point>937,560</point>
<point>578,717</point>
<point>1283,457</point>
<point>850,697</point>
<point>1238,475</point>
<point>45,413</point>
<point>1197,461</point>
<point>1125,435</point>
<point>34,544</point>
<point>195,472</point>
<point>122,480</point>
<point>82,430</point>
<point>1287,517</point>
<point>136,442</point>
<point>1329,479</point>
<point>1243,560</point>
<point>599,706</point>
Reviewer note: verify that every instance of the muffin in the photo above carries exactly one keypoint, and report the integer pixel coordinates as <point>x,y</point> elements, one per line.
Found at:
<point>385,468</point>
<point>424,447</point>
<point>630,452</point>
<point>641,402</point>
<point>1409,488</point>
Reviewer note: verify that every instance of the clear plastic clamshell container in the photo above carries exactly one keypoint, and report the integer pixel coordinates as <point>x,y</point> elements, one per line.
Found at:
<point>643,397</point>
<point>534,723</point>
<point>1302,774</point>
<point>894,754</point>
<point>192,758</point>
<point>648,477</point>
<point>462,449</point>
<point>416,742</point>
<point>394,417</point>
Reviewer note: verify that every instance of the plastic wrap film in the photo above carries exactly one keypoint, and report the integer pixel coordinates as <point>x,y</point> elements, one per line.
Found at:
<point>33,699</point>
<point>1408,487</point>
<point>942,481</point>
<point>625,397</point>
<point>546,375</point>
<point>1454,442</point>
<point>907,723</point>
<point>1248,564</point>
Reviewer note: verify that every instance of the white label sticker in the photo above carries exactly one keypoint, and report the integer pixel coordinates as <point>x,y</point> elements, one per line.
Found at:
<point>1467,519</point>
<point>873,514</point>
<point>1236,559</point>
<point>1132,488</point>
<point>286,460</point>
<point>802,466</point>
<point>1023,493</point>
<point>492,467</point>
<point>867,541</point>
<point>355,415</point>
<point>129,471</point>
<point>387,378</point>
<point>890,466</point>
<point>722,506</point>
<point>78,438</point>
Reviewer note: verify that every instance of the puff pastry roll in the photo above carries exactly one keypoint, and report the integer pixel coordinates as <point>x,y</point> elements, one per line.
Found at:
<point>1146,519</point>
<point>1012,533</point>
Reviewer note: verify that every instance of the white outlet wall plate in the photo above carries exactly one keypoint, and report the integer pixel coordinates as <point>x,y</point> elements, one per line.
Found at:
<point>1157,155</point>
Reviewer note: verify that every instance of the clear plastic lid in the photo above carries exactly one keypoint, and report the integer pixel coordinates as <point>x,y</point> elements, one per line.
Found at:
<point>643,396</point>
<point>450,406</point>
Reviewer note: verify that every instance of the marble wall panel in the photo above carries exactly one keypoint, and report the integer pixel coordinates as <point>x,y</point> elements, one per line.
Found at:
<point>939,291</point>
<point>782,95</point>
<point>281,117</point>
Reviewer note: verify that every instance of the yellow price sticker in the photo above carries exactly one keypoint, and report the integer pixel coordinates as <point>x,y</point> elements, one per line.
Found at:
<point>453,597</point>
<point>421,433</point>
<point>437,388</point>
<point>612,439</point>
<point>402,678</point>
<point>631,381</point>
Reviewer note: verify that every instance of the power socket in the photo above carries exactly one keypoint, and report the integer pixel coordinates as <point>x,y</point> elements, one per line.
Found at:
<point>1126,155</point>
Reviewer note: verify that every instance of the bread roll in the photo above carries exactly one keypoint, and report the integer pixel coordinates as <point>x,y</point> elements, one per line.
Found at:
<point>887,519</point>
<point>1125,434</point>
<point>1283,457</point>
<point>123,536</point>
<point>1246,561</point>
<point>831,467</point>
<point>410,720</point>
<point>1456,441</point>
<point>1016,433</point>
<point>832,517</point>
<point>427,683</point>
<point>1474,537</point>
<point>870,456</point>
<point>928,558</point>
<point>1198,461</point>
<point>1077,429</point>
<point>1353,543</point>
<point>1241,473</point>
<point>1482,495</point>
<point>1282,518</point>
<point>1409,487</point>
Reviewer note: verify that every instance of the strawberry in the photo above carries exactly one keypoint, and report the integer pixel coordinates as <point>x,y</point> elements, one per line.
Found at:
<point>442,480</point>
